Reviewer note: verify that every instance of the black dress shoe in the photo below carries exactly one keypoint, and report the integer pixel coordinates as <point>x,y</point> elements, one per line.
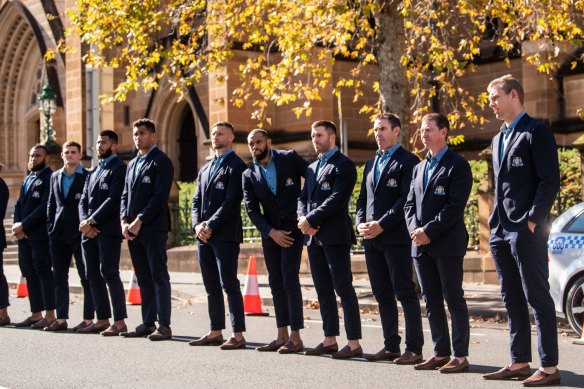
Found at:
<point>382,355</point>
<point>93,328</point>
<point>322,349</point>
<point>272,346</point>
<point>27,322</point>
<point>206,341</point>
<point>161,333</point>
<point>42,324</point>
<point>346,353</point>
<point>81,325</point>
<point>140,332</point>
<point>56,326</point>
<point>506,373</point>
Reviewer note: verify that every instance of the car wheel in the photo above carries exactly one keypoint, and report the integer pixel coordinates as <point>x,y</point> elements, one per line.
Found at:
<point>575,305</point>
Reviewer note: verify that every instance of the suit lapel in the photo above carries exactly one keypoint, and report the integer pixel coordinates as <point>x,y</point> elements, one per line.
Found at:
<point>436,172</point>
<point>386,169</point>
<point>280,179</point>
<point>60,184</point>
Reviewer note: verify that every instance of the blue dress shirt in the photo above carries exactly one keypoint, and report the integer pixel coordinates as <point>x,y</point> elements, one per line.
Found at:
<point>67,180</point>
<point>431,164</point>
<point>381,161</point>
<point>269,173</point>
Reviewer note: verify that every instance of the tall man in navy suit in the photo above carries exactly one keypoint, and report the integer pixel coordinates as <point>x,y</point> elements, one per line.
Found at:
<point>4,303</point>
<point>145,224</point>
<point>30,229</point>
<point>216,221</point>
<point>99,212</point>
<point>323,210</point>
<point>271,186</point>
<point>381,222</point>
<point>64,237</point>
<point>527,179</point>
<point>434,211</point>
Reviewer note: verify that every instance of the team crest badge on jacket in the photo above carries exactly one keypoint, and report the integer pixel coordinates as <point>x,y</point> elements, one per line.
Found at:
<point>146,180</point>
<point>36,194</point>
<point>289,181</point>
<point>77,196</point>
<point>516,161</point>
<point>104,186</point>
<point>439,190</point>
<point>325,186</point>
<point>392,183</point>
<point>220,185</point>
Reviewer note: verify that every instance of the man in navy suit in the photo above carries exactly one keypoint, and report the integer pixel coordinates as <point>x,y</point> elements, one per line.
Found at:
<point>271,186</point>
<point>30,229</point>
<point>99,214</point>
<point>216,221</point>
<point>323,210</point>
<point>145,224</point>
<point>64,237</point>
<point>434,211</point>
<point>381,222</point>
<point>4,303</point>
<point>527,179</point>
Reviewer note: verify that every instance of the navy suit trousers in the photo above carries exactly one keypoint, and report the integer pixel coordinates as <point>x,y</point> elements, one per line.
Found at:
<point>441,279</point>
<point>218,264</point>
<point>102,260</point>
<point>390,274</point>
<point>283,266</point>
<point>148,252</point>
<point>35,265</point>
<point>3,284</point>
<point>61,253</point>
<point>331,272</point>
<point>522,267</point>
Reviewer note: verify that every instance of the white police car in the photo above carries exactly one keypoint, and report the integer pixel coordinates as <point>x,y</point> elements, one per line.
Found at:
<point>566,254</point>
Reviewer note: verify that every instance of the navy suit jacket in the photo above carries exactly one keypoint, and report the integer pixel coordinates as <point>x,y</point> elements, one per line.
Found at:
<point>4,194</point>
<point>324,200</point>
<point>267,210</point>
<point>385,201</point>
<point>63,212</point>
<point>146,196</point>
<point>101,197</point>
<point>528,179</point>
<point>217,200</point>
<point>31,208</point>
<point>440,208</point>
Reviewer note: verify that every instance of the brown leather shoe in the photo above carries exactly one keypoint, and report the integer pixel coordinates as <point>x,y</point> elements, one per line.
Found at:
<point>455,366</point>
<point>346,353</point>
<point>27,322</point>
<point>506,373</point>
<point>56,326</point>
<point>322,349</point>
<point>81,325</point>
<point>233,344</point>
<point>272,346</point>
<point>161,333</point>
<point>539,378</point>
<point>93,328</point>
<point>140,332</point>
<point>291,348</point>
<point>113,330</point>
<point>206,341</point>
<point>42,324</point>
<point>382,355</point>
<point>408,358</point>
<point>4,321</point>
<point>432,363</point>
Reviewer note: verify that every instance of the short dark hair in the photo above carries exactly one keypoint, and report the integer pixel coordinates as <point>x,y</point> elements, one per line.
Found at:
<point>392,118</point>
<point>149,124</point>
<point>441,120</point>
<point>42,147</point>
<point>508,83</point>
<point>224,124</point>
<point>71,143</point>
<point>110,134</point>
<point>259,131</point>
<point>328,125</point>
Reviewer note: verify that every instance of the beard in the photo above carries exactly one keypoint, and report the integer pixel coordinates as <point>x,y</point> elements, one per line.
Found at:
<point>261,155</point>
<point>35,168</point>
<point>105,154</point>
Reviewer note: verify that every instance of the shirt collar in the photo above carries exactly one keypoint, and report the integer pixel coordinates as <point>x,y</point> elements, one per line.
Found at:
<point>436,158</point>
<point>269,162</point>
<point>105,161</point>
<point>326,156</point>
<point>388,153</point>
<point>148,152</point>
<point>222,156</point>
<point>78,170</point>
<point>33,173</point>
<point>513,124</point>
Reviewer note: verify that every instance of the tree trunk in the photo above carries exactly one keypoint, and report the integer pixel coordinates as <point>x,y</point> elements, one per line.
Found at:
<point>393,84</point>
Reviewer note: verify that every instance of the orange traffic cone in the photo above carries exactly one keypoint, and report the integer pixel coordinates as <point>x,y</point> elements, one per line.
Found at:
<point>134,297</point>
<point>21,288</point>
<point>252,303</point>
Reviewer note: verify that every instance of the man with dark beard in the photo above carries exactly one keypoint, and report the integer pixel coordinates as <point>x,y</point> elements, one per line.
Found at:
<point>99,211</point>
<point>30,229</point>
<point>271,186</point>
<point>216,220</point>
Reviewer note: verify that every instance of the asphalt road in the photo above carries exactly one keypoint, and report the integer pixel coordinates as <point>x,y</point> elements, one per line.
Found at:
<point>35,359</point>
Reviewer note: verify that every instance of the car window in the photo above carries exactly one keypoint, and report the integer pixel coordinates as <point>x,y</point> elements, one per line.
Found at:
<point>576,225</point>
